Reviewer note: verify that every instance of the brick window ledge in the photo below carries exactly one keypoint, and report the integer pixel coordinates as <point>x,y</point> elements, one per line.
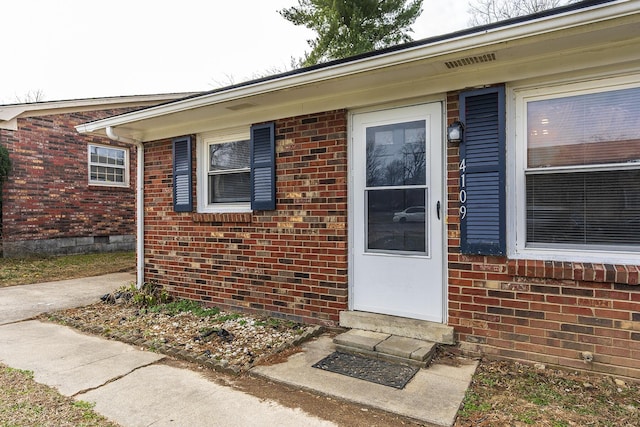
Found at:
<point>587,272</point>
<point>222,217</point>
<point>116,188</point>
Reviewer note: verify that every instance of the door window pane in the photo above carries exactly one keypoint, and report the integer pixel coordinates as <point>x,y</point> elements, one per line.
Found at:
<point>396,154</point>
<point>396,220</point>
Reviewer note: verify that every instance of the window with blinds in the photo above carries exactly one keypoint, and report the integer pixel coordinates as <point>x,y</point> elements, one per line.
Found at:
<point>582,171</point>
<point>229,172</point>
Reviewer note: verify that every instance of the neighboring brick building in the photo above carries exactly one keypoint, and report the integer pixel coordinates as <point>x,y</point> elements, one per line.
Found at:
<point>51,202</point>
<point>333,190</point>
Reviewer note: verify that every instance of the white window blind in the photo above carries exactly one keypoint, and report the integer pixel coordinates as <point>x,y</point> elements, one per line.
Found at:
<point>229,173</point>
<point>583,171</point>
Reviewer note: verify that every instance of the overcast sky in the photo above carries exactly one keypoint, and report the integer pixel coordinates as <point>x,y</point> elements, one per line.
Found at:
<point>72,49</point>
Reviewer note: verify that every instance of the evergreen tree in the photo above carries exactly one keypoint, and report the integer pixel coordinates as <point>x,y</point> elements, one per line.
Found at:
<point>5,164</point>
<point>5,167</point>
<point>350,27</point>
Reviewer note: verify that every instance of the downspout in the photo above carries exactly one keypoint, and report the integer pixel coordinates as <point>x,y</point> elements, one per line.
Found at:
<point>139,202</point>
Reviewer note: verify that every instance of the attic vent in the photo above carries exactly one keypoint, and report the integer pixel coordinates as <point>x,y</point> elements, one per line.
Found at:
<point>241,106</point>
<point>470,60</point>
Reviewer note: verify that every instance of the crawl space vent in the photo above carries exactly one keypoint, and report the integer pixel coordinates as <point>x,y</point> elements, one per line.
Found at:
<point>471,60</point>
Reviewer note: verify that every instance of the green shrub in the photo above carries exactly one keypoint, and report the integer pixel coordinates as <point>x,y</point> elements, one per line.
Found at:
<point>5,167</point>
<point>5,164</point>
<point>183,305</point>
<point>149,295</point>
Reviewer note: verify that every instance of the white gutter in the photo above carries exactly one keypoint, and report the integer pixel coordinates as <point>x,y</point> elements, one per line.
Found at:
<point>139,202</point>
<point>11,112</point>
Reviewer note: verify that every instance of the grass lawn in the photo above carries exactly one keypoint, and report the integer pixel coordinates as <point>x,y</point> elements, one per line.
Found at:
<point>23,271</point>
<point>24,402</point>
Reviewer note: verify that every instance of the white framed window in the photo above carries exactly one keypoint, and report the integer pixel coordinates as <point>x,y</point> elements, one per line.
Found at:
<point>224,171</point>
<point>108,166</point>
<point>577,171</point>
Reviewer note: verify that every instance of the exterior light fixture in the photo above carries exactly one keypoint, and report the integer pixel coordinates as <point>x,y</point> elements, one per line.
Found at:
<point>454,132</point>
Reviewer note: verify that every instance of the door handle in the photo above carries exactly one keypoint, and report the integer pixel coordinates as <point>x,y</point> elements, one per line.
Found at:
<point>438,209</point>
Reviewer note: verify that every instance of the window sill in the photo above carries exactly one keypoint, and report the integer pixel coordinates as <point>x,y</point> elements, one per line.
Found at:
<point>244,217</point>
<point>579,271</point>
<point>101,186</point>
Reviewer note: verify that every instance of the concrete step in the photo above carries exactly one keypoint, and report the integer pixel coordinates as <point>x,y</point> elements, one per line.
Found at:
<point>392,348</point>
<point>401,326</point>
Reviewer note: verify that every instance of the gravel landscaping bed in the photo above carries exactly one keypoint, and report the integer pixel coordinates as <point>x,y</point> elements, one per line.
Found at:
<point>225,341</point>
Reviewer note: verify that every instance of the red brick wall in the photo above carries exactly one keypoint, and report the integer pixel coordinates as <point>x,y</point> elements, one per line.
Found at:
<point>47,195</point>
<point>291,262</point>
<point>548,312</point>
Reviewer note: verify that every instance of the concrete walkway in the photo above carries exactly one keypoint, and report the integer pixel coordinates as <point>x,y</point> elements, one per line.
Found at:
<point>432,396</point>
<point>129,387</point>
<point>23,302</point>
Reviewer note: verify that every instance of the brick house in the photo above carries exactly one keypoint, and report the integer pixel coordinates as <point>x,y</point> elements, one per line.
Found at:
<point>342,191</point>
<point>68,193</point>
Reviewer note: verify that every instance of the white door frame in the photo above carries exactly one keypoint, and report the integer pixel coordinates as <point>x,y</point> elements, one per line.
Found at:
<point>444,202</point>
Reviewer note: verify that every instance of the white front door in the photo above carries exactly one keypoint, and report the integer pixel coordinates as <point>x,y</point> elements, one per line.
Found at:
<point>398,212</point>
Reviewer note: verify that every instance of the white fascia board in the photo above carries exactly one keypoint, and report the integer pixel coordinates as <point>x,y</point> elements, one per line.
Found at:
<point>11,124</point>
<point>502,34</point>
<point>9,112</point>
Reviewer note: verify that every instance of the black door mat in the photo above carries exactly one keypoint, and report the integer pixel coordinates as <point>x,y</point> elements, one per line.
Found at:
<point>372,370</point>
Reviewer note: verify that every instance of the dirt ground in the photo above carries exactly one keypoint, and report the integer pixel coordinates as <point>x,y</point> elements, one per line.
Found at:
<point>324,407</point>
<point>506,393</point>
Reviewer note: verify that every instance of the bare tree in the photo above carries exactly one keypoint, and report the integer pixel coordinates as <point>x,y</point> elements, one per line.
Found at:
<point>274,70</point>
<point>33,95</point>
<point>375,154</point>
<point>414,159</point>
<point>230,79</point>
<point>395,173</point>
<point>488,11</point>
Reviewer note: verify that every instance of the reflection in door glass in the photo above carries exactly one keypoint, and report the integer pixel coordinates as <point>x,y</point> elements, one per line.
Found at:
<point>396,220</point>
<point>396,154</point>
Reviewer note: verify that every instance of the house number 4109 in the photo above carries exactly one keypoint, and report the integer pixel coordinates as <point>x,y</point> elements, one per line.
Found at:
<point>462,196</point>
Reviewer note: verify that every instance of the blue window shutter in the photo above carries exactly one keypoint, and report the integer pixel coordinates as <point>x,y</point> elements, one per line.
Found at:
<point>263,167</point>
<point>482,179</point>
<point>182,190</point>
